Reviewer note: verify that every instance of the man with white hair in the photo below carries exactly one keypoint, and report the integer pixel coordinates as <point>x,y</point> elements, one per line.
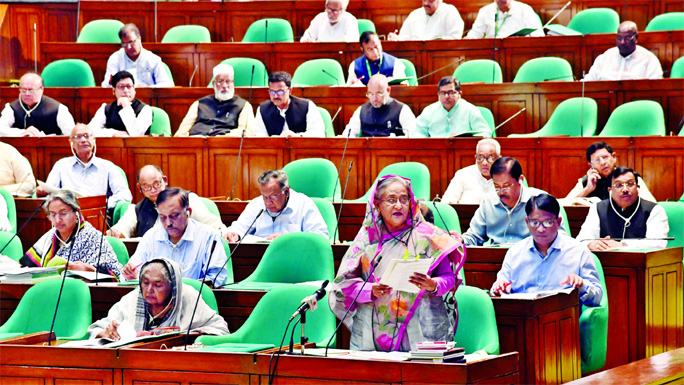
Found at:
<point>435,20</point>
<point>335,24</point>
<point>220,114</point>
<point>503,18</point>
<point>471,184</point>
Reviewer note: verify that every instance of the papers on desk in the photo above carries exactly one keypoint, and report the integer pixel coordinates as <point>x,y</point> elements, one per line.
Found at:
<point>398,272</point>
<point>125,330</point>
<point>90,276</point>
<point>49,189</point>
<point>579,201</point>
<point>540,294</point>
<point>358,355</point>
<point>249,238</point>
<point>28,274</point>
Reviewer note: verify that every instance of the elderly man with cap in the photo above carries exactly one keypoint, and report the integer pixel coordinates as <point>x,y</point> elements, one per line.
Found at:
<point>125,116</point>
<point>34,114</point>
<point>335,24</point>
<point>222,113</point>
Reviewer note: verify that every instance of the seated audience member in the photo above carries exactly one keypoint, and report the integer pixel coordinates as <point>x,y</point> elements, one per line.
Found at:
<point>34,114</point>
<point>147,68</point>
<point>451,115</point>
<point>126,116</point>
<point>471,184</point>
<point>548,260</point>
<point>335,24</point>
<point>287,115</point>
<point>279,210</point>
<point>596,184</point>
<point>138,219</point>
<point>222,113</point>
<point>503,18</point>
<point>627,60</point>
<point>16,174</point>
<point>373,61</point>
<point>181,239</point>
<point>501,214</point>
<point>71,238</point>
<point>381,115</point>
<point>624,219</point>
<point>435,20</point>
<point>87,174</point>
<point>4,215</point>
<point>160,300</point>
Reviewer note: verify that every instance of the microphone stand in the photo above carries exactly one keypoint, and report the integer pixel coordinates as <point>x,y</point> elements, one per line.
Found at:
<point>339,169</point>
<point>441,68</point>
<point>509,119</point>
<point>22,226</point>
<point>104,228</point>
<point>61,288</point>
<point>235,248</point>
<point>242,138</point>
<point>331,75</point>
<point>344,192</point>
<point>199,295</point>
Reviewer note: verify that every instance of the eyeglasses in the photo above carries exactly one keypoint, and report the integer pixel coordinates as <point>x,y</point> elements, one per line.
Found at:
<point>146,187</point>
<point>226,82</point>
<point>173,217</point>
<point>377,94</point>
<point>625,39</point>
<point>404,200</point>
<point>535,223</point>
<point>79,137</point>
<point>447,93</point>
<point>278,92</point>
<point>334,11</point>
<point>482,158</point>
<point>122,87</point>
<point>273,197</point>
<point>601,159</point>
<point>503,188</point>
<point>28,91</point>
<point>629,184</point>
<point>129,44</point>
<point>53,216</point>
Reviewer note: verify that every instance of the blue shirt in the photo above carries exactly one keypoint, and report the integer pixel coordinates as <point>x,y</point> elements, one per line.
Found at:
<point>191,252</point>
<point>147,68</point>
<point>532,272</point>
<point>98,177</point>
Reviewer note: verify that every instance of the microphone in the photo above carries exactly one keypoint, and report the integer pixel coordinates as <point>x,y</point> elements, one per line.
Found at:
<point>556,15</point>
<point>155,22</point>
<point>16,192</point>
<point>434,204</point>
<point>104,228</point>
<point>266,42</point>
<point>61,288</point>
<point>558,77</point>
<point>35,49</point>
<point>251,82</point>
<point>237,245</point>
<point>78,19</point>
<point>344,192</point>
<point>337,81</point>
<point>199,295</point>
<point>193,72</point>
<point>439,69</point>
<point>311,302</point>
<point>22,226</point>
<point>582,109</point>
<point>332,121</point>
<point>339,169</point>
<point>237,164</point>
<point>509,119</point>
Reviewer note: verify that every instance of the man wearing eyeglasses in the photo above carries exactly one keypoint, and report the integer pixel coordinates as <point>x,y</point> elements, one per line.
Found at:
<point>335,24</point>
<point>220,114</point>
<point>470,184</point>
<point>624,219</point>
<point>34,114</point>
<point>435,20</point>
<point>146,67</point>
<point>595,185</point>
<point>139,218</point>
<point>126,116</point>
<point>626,61</point>
<point>287,115</point>
<point>374,61</point>
<point>548,260</point>
<point>451,115</point>
<point>279,210</point>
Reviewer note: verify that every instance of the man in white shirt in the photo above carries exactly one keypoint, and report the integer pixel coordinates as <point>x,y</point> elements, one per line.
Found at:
<point>146,67</point>
<point>126,116</point>
<point>503,18</point>
<point>627,60</point>
<point>286,115</point>
<point>471,184</point>
<point>4,215</point>
<point>335,24</point>
<point>373,61</point>
<point>16,174</point>
<point>435,20</point>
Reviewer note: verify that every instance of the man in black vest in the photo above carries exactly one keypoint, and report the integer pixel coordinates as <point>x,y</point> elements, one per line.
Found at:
<point>34,114</point>
<point>287,115</point>
<point>381,115</point>
<point>139,218</point>
<point>624,219</point>
<point>126,116</point>
<point>222,113</point>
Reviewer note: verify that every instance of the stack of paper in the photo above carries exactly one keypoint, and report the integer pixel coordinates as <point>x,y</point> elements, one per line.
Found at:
<point>30,274</point>
<point>438,351</point>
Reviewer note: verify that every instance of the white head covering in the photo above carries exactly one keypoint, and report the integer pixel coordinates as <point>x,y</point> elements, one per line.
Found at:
<point>223,69</point>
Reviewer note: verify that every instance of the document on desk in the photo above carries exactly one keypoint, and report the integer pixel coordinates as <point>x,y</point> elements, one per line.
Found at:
<point>398,272</point>
<point>540,294</point>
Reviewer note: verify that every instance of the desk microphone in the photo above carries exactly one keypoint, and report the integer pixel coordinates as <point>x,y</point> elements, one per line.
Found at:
<point>104,228</point>
<point>193,72</point>
<point>339,169</point>
<point>434,204</point>
<point>16,192</point>
<point>509,119</point>
<point>558,78</point>
<point>582,108</point>
<point>228,257</point>
<point>556,15</point>
<point>22,226</point>
<point>199,295</point>
<point>311,302</point>
<point>441,68</point>
<point>337,81</point>
<point>344,192</point>
<point>266,42</point>
<point>35,48</point>
<point>237,164</point>
<point>251,83</point>
<point>61,288</point>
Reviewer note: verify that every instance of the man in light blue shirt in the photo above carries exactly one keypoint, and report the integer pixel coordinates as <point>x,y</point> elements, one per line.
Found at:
<point>178,237</point>
<point>86,174</point>
<point>451,115</point>
<point>548,260</point>
<point>501,214</point>
<point>278,211</point>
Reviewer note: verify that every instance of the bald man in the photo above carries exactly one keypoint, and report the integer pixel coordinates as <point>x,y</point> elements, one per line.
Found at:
<point>627,60</point>
<point>381,115</point>
<point>34,114</point>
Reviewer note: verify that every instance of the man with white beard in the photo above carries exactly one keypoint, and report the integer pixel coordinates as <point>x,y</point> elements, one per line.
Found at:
<point>220,114</point>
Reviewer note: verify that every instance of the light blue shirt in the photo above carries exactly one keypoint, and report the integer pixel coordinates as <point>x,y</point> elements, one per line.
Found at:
<point>532,272</point>
<point>496,221</point>
<point>436,122</point>
<point>148,68</point>
<point>98,177</point>
<point>191,252</point>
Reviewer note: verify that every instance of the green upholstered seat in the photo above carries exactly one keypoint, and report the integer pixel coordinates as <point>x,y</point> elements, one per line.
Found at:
<point>242,68</point>
<point>479,70</point>
<point>595,20</point>
<point>100,31</point>
<point>314,177</point>
<point>476,329</point>
<point>68,73</point>
<point>446,217</point>
<point>567,120</point>
<point>410,72</point>
<point>187,34</point>
<point>119,249</point>
<point>269,31</point>
<point>671,21</point>
<point>168,72</point>
<point>328,213</point>
<point>365,25</point>
<point>14,250</point>
<point>211,206</point>
<point>318,72</point>
<point>417,172</point>
<point>544,69</point>
<point>489,118</point>
<point>677,69</point>
<point>637,118</point>
<point>11,209</point>
<point>161,124</point>
<point>327,122</point>
<point>594,330</point>
<point>207,294</point>
<point>119,211</point>
<point>675,219</point>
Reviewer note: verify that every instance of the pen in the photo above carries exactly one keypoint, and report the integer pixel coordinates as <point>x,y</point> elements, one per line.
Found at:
<point>507,285</point>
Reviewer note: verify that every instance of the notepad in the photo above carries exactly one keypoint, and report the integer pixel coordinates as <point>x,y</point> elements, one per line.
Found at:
<point>398,272</point>
<point>540,294</point>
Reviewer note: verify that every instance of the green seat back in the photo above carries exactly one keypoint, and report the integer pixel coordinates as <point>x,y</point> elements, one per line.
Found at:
<point>211,206</point>
<point>327,122</point>
<point>365,25</point>
<point>168,71</point>
<point>278,31</point>
<point>677,69</point>
<point>11,209</point>
<point>207,294</point>
<point>479,70</point>
<point>594,329</point>
<point>446,217</point>
<point>14,250</point>
<point>327,211</point>
<point>310,73</point>
<point>637,118</point>
<point>242,67</point>
<point>37,307</point>
<point>595,20</point>
<point>565,221</point>
<point>681,198</point>
<point>544,69</point>
<point>476,329</point>
<point>567,120</point>
<point>672,21</point>
<point>410,72</point>
<point>230,278</point>
<point>119,249</point>
<point>489,118</point>
<point>187,34</point>
<point>266,324</point>
<point>418,173</point>
<point>119,211</point>
<point>161,124</point>
<point>314,177</point>
<point>68,73</point>
<point>100,31</point>
<point>675,219</point>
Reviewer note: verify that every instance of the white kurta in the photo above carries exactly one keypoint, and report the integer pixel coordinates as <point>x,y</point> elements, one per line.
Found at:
<point>446,23</point>
<point>641,64</point>
<point>320,30</point>
<point>490,18</point>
